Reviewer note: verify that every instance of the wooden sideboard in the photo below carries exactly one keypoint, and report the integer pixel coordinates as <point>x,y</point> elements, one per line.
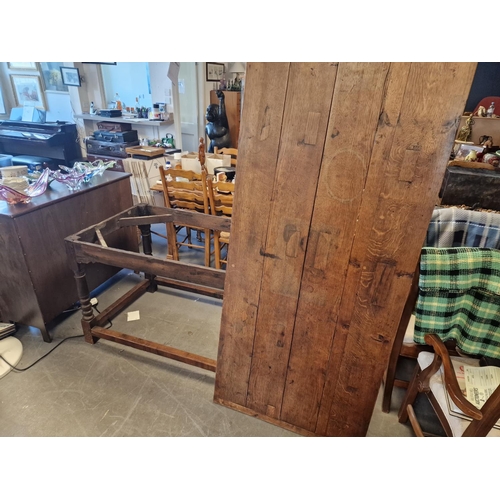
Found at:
<point>36,282</point>
<point>232,100</point>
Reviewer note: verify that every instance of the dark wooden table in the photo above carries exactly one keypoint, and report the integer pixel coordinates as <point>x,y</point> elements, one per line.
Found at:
<point>36,282</point>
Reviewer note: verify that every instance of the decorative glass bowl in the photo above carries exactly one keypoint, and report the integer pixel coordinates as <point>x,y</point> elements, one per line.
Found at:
<point>88,169</point>
<point>82,172</point>
<point>13,197</point>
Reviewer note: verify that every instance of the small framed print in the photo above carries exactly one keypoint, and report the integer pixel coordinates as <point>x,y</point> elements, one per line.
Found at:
<point>2,104</point>
<point>214,71</point>
<point>28,91</point>
<point>70,76</point>
<point>22,65</point>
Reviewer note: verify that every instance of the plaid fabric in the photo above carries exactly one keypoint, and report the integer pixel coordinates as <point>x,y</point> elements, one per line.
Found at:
<point>456,227</point>
<point>459,298</point>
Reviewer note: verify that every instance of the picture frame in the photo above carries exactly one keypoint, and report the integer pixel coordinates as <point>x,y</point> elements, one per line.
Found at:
<point>70,76</point>
<point>214,71</point>
<point>3,111</point>
<point>464,149</point>
<point>23,65</point>
<point>28,91</point>
<point>52,77</point>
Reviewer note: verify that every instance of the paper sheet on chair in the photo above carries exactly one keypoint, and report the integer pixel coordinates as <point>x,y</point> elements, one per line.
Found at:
<point>480,383</point>
<point>477,383</point>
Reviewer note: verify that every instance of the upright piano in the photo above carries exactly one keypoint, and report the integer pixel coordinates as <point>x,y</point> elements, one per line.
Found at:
<point>55,140</point>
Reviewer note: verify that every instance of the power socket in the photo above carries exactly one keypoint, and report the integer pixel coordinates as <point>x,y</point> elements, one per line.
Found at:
<point>94,301</point>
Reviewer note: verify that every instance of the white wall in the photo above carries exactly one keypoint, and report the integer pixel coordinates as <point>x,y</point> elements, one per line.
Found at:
<point>130,80</point>
<point>58,104</point>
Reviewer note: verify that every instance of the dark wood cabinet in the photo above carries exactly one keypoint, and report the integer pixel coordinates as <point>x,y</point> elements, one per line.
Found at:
<point>232,100</point>
<point>36,282</point>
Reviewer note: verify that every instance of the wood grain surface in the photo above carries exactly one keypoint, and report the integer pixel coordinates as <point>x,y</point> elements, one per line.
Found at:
<point>339,168</point>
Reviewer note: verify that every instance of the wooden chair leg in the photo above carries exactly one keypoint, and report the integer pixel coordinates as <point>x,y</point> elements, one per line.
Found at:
<point>172,249</point>
<point>414,422</point>
<point>207,248</point>
<point>411,395</point>
<point>390,375</point>
<point>217,250</point>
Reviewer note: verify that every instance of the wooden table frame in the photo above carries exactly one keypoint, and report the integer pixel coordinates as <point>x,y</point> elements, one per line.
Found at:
<point>89,246</point>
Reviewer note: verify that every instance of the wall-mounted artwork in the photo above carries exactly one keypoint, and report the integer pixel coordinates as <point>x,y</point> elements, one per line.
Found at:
<point>22,65</point>
<point>71,76</point>
<point>52,78</point>
<point>214,71</point>
<point>28,91</point>
<point>2,104</point>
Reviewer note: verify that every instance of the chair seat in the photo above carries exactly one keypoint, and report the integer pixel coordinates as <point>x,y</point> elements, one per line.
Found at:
<point>457,424</point>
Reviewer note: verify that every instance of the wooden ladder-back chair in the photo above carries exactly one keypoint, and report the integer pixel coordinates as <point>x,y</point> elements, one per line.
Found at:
<point>186,190</point>
<point>233,152</point>
<point>221,196</point>
<point>436,376</point>
<point>449,227</point>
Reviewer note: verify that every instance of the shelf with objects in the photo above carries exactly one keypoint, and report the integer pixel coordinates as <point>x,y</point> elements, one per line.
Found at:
<point>472,177</point>
<point>107,138</point>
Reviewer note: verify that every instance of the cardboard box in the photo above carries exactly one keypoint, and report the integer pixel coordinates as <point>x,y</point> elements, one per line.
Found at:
<point>17,171</point>
<point>190,161</point>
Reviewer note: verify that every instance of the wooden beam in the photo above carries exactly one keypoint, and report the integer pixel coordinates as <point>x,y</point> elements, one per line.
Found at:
<point>190,287</point>
<point>200,275</point>
<point>262,117</point>
<point>124,301</point>
<point>189,218</point>
<point>303,134</point>
<point>155,348</point>
<point>354,114</point>
<point>412,143</point>
<point>147,219</point>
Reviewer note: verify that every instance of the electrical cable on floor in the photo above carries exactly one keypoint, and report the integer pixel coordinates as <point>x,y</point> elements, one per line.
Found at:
<point>39,359</point>
<point>54,348</point>
<point>109,321</point>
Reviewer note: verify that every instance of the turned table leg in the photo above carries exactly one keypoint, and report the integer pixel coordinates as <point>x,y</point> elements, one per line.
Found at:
<point>87,311</point>
<point>147,248</point>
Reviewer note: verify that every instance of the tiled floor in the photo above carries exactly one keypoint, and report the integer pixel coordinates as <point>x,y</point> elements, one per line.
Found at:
<point>111,390</point>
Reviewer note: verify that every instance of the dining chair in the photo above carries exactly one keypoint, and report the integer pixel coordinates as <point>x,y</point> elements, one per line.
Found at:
<point>458,301</point>
<point>450,227</point>
<point>233,152</point>
<point>441,378</point>
<point>221,195</point>
<point>186,190</point>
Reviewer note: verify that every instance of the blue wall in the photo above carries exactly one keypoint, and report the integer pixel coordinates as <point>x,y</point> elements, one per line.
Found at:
<point>486,83</point>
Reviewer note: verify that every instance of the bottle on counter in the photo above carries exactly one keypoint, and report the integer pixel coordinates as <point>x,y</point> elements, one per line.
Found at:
<point>118,102</point>
<point>177,160</point>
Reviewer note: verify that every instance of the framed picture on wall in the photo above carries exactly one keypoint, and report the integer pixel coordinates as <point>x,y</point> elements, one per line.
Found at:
<point>52,78</point>
<point>214,71</point>
<point>28,91</point>
<point>70,76</point>
<point>2,104</point>
<point>22,65</point>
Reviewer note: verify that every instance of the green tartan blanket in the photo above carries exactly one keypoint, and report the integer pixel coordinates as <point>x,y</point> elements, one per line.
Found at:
<point>459,298</point>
